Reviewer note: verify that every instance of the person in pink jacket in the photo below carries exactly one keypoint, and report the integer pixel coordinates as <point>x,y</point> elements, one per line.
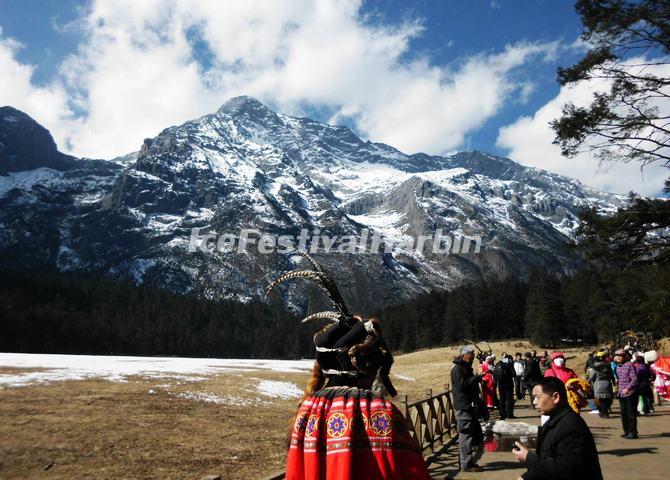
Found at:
<point>558,368</point>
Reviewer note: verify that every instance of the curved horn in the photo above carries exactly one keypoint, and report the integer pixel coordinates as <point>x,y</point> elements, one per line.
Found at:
<point>474,343</point>
<point>328,315</point>
<point>325,284</point>
<point>311,260</point>
<point>308,274</point>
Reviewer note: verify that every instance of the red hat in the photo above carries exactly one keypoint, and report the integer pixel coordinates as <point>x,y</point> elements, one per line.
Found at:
<point>557,355</point>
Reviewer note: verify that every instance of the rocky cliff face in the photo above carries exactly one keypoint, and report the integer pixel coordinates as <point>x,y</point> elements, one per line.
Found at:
<point>247,167</point>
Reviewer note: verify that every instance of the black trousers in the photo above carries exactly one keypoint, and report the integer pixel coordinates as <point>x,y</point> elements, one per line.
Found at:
<point>528,388</point>
<point>519,388</point>
<point>628,407</point>
<point>506,398</point>
<point>604,405</point>
<point>647,399</point>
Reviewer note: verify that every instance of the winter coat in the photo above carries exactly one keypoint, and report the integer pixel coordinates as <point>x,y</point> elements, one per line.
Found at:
<point>627,376</point>
<point>643,375</point>
<point>533,372</point>
<point>503,374</point>
<point>519,367</point>
<point>464,384</point>
<point>488,386</point>
<point>565,450</point>
<point>602,379</point>
<point>562,373</point>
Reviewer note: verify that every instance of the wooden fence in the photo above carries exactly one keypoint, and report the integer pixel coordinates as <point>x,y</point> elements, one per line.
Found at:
<point>432,420</point>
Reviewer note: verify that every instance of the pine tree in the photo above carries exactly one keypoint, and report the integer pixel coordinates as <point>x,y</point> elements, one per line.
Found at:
<point>544,318</point>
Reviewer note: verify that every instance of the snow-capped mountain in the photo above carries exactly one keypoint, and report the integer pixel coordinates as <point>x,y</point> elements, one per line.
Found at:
<point>246,166</point>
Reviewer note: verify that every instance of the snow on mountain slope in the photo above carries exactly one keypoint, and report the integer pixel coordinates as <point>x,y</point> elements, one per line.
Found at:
<point>247,167</point>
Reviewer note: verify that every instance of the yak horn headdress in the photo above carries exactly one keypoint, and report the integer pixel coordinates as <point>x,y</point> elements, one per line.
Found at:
<point>368,351</point>
<point>326,284</point>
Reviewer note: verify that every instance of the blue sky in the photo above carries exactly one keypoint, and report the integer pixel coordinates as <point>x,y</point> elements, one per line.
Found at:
<point>455,30</point>
<point>433,76</point>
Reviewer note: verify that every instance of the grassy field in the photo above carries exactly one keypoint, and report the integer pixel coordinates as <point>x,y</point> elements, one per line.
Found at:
<point>164,428</point>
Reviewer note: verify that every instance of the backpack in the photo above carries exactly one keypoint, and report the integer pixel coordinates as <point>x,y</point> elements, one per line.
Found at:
<point>498,372</point>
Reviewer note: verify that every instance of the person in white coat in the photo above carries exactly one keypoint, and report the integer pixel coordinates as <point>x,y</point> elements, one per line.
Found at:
<point>519,370</point>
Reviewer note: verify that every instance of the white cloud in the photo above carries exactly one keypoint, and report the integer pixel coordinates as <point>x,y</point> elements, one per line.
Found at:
<point>47,105</point>
<point>529,142</point>
<point>137,71</point>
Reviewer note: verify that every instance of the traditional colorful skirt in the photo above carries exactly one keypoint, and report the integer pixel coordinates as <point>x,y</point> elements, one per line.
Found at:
<point>343,433</point>
<point>662,383</point>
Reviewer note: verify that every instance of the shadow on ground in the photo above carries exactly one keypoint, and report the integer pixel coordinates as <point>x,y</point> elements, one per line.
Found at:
<point>623,452</point>
<point>443,464</point>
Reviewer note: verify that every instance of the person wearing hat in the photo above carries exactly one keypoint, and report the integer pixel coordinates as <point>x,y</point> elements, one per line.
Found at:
<point>644,382</point>
<point>602,379</point>
<point>576,393</point>
<point>465,392</point>
<point>628,394</point>
<point>558,369</point>
<point>346,427</point>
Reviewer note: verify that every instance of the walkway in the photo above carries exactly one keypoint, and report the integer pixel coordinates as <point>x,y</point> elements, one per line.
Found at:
<point>619,459</point>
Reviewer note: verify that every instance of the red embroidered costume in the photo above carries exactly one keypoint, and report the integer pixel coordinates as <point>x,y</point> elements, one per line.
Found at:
<point>345,428</point>
<point>344,433</point>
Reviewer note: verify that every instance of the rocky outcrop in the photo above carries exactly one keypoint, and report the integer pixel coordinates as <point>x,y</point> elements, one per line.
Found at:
<point>26,145</point>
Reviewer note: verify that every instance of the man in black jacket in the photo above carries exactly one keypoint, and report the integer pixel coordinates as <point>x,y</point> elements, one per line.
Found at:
<point>532,374</point>
<point>565,446</point>
<point>465,392</point>
<point>503,373</point>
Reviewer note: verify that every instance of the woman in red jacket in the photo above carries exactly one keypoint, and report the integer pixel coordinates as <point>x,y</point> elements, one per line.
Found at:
<point>575,388</point>
<point>488,383</point>
<point>558,368</point>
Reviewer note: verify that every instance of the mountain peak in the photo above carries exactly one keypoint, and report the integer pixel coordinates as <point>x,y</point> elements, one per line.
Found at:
<point>11,114</point>
<point>25,144</point>
<point>243,104</point>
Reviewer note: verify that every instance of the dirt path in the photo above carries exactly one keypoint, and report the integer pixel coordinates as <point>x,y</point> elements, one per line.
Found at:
<point>619,459</point>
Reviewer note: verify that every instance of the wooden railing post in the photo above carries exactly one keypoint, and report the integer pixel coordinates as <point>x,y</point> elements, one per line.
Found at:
<point>432,419</point>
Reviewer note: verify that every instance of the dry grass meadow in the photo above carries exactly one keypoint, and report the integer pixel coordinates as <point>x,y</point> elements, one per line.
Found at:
<point>96,429</point>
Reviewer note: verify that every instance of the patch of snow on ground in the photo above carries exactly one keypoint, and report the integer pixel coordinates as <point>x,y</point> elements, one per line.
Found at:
<point>220,399</point>
<point>118,368</point>
<point>275,389</point>
<point>404,377</point>
<point>202,397</point>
